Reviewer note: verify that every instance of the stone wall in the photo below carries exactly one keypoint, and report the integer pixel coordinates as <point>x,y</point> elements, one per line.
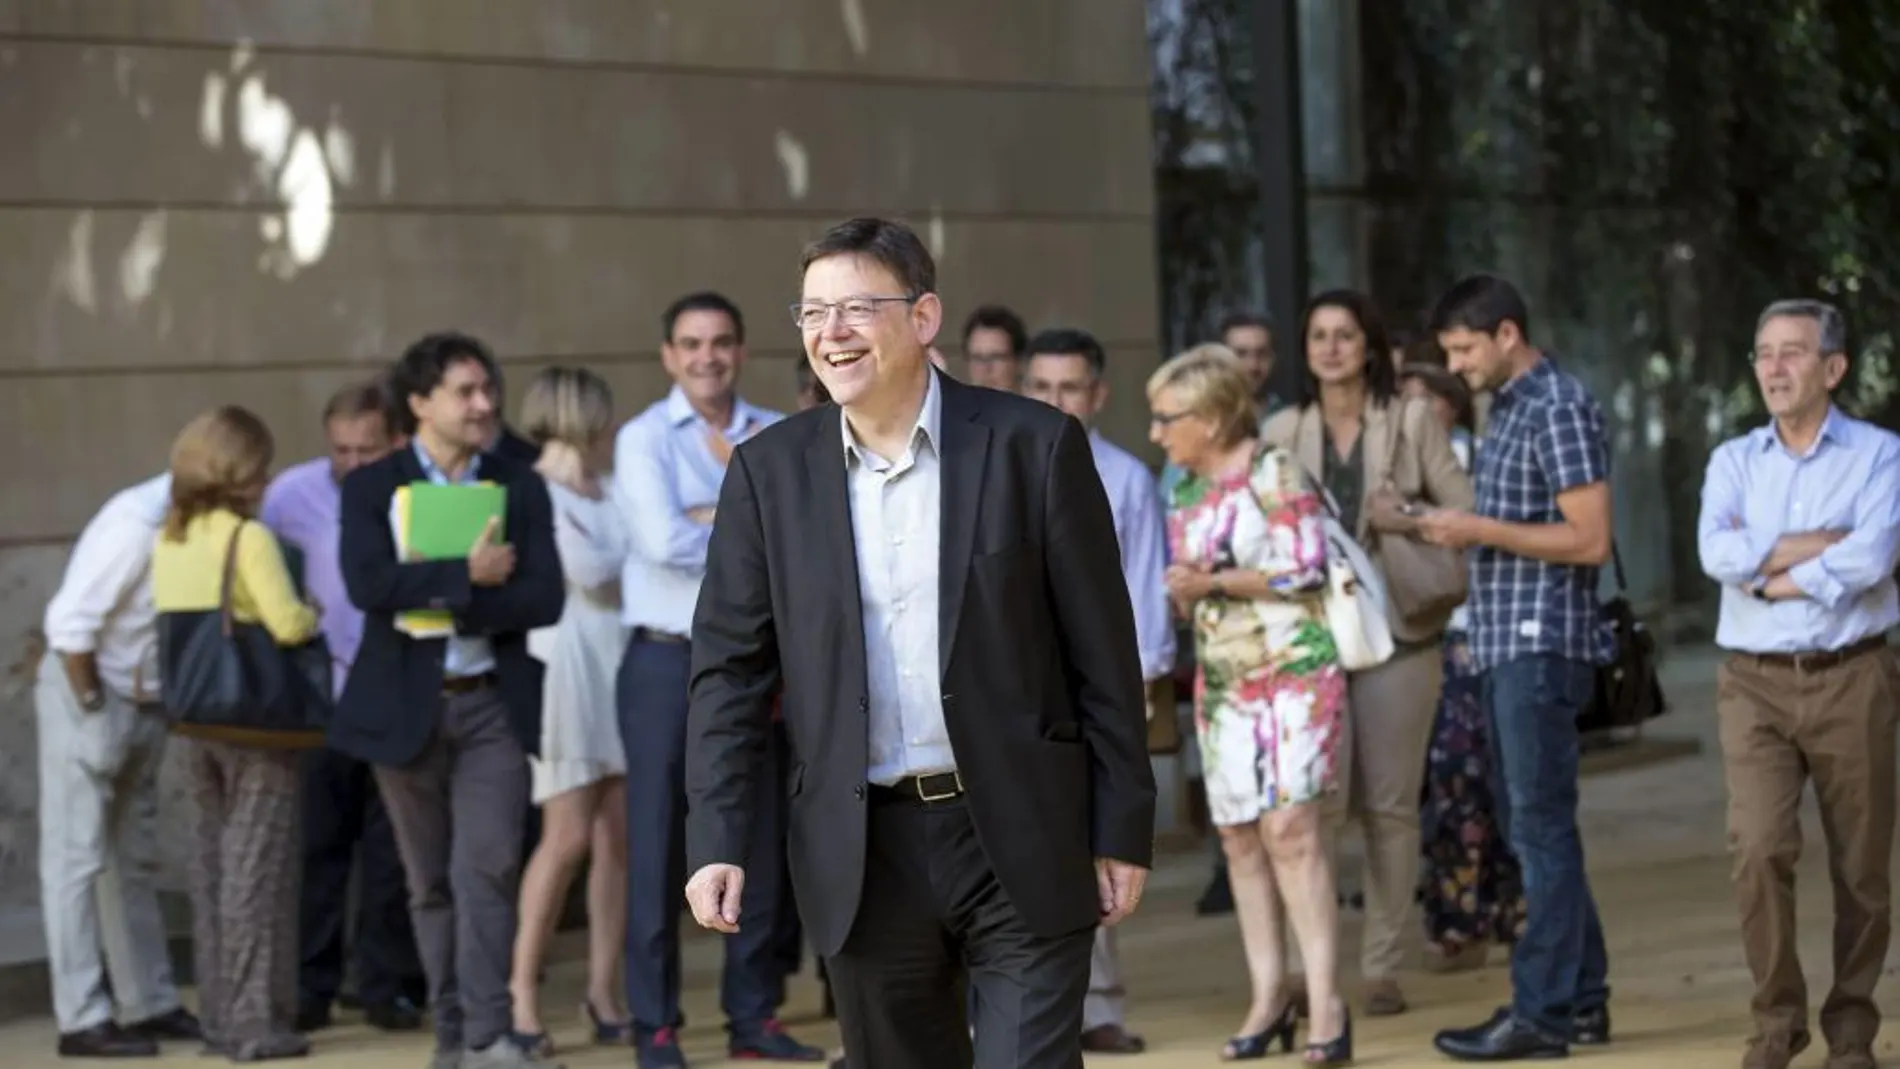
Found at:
<point>259,200</point>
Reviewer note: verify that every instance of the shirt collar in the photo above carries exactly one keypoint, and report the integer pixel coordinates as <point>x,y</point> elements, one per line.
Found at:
<point>1531,382</point>
<point>929,426</point>
<point>1834,431</point>
<point>680,412</point>
<point>435,473</point>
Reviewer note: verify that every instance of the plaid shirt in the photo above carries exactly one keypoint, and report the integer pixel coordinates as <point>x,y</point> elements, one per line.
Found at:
<point>1545,436</point>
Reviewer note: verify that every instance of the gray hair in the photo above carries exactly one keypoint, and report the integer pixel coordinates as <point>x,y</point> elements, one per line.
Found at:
<point>1833,324</point>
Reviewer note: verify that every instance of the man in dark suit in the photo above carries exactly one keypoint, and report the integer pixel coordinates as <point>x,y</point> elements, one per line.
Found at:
<point>932,578</point>
<point>448,720</point>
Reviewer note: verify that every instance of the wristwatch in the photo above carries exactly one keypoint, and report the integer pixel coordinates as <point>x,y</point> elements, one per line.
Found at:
<point>1216,588</point>
<point>1757,588</point>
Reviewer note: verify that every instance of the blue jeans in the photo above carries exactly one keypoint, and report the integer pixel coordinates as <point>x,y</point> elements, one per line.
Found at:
<point>1559,967</point>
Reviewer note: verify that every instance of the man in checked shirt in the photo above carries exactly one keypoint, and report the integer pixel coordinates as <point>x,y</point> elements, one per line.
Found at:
<point>1539,533</point>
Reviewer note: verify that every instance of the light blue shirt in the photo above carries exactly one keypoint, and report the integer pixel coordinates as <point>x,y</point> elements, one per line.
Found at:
<point>664,468</point>
<point>1135,500</point>
<point>1757,490</point>
<point>465,655</point>
<point>897,528</point>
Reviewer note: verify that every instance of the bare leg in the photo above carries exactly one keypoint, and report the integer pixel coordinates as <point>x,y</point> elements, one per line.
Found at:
<point>607,904</point>
<point>1257,907</point>
<point>1304,873</point>
<point>565,829</point>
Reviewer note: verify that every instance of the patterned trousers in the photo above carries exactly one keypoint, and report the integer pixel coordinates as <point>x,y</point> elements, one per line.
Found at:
<point>244,892</point>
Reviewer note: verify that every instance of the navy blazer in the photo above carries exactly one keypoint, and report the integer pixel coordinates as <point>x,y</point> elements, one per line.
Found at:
<point>392,700</point>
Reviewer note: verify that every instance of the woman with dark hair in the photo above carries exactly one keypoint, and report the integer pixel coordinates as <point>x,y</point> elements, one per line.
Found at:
<point>246,782</point>
<point>1378,455</point>
<point>1470,889</point>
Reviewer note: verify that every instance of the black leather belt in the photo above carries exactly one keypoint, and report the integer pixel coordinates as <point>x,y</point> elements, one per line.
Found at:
<point>469,684</point>
<point>1818,659</point>
<point>933,789</point>
<point>648,634</point>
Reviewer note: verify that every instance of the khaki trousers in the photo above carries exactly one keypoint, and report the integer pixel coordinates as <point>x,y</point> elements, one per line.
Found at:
<point>1784,722</point>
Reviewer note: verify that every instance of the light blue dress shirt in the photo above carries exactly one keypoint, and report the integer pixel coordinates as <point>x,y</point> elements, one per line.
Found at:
<point>465,655</point>
<point>1134,498</point>
<point>664,467</point>
<point>1757,490</point>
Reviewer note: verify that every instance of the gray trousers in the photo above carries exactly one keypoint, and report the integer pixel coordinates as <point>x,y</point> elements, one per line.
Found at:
<point>457,812</point>
<point>99,855</point>
<point>1105,1004</point>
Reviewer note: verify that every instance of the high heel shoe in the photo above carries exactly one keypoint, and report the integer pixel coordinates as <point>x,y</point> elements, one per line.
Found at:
<point>1260,1044</point>
<point>607,1033</point>
<point>1335,1051</point>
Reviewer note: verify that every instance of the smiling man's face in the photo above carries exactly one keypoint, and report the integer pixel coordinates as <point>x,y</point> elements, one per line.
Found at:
<point>704,355</point>
<point>866,345</point>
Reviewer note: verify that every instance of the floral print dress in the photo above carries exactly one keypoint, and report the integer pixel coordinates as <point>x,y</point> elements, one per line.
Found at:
<point>1269,695</point>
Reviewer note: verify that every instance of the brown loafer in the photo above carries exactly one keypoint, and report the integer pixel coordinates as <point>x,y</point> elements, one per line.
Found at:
<point>1112,1039</point>
<point>1384,999</point>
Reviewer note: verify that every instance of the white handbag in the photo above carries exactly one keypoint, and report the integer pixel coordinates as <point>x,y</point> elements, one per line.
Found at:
<point>1355,599</point>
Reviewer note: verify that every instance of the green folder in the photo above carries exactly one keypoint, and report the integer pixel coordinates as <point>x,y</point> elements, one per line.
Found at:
<point>444,521</point>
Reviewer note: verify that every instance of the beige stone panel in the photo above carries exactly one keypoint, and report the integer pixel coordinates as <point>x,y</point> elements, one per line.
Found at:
<point>1091,43</point>
<point>117,125</point>
<point>84,290</point>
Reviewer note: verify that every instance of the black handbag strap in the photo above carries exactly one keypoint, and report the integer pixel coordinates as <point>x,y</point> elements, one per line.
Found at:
<point>1616,562</point>
<point>230,574</point>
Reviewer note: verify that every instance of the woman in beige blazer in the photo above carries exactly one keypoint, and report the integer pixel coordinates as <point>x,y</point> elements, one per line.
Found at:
<point>1378,454</point>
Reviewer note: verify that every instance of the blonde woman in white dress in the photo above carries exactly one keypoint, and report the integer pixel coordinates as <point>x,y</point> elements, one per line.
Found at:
<point>579,778</point>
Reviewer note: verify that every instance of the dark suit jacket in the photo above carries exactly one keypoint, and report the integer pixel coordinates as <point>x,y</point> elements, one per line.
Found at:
<point>392,700</point>
<point>1041,680</point>
<point>512,446</point>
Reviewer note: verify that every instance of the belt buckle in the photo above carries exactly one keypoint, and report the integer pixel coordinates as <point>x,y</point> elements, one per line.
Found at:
<point>956,777</point>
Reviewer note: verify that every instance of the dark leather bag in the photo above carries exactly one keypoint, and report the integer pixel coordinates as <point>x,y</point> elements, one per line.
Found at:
<point>230,681</point>
<point>1629,692</point>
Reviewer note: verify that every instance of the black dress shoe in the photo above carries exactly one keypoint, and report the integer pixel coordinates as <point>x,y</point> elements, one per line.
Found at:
<point>1506,1037</point>
<point>1218,899</point>
<point>1591,1028</point>
<point>314,1018</point>
<point>400,1015</point>
<point>178,1024</point>
<point>107,1040</point>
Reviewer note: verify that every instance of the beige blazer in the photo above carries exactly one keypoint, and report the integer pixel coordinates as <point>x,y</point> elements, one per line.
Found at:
<point>1423,469</point>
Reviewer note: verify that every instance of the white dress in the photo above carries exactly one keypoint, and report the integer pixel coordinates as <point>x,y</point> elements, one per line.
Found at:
<point>580,730</point>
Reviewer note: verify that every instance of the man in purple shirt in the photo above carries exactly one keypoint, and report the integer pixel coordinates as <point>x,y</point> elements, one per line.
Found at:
<point>342,811</point>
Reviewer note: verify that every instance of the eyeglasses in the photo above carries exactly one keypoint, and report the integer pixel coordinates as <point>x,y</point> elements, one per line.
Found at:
<point>854,311</point>
<point>1167,419</point>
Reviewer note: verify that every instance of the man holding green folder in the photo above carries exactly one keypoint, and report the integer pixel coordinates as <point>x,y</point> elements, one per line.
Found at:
<point>449,551</point>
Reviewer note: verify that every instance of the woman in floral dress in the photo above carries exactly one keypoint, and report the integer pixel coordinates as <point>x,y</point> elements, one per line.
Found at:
<point>1470,888</point>
<point>1249,555</point>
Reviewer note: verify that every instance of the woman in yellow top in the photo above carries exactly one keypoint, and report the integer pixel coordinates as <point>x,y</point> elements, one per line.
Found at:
<point>244,876</point>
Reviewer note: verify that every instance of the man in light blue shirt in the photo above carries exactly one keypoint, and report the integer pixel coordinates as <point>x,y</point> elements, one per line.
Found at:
<point>1065,368</point>
<point>669,462</point>
<point>1801,525</point>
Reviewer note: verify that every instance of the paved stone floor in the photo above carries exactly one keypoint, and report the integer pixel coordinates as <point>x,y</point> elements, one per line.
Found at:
<point>1654,832</point>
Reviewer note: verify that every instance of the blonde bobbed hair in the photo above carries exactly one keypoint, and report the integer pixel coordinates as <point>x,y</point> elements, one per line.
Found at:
<point>219,461</point>
<point>1210,383</point>
<point>564,404</point>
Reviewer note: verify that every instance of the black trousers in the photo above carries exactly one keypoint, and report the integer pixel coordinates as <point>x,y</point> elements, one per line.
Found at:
<point>344,825</point>
<point>933,914</point>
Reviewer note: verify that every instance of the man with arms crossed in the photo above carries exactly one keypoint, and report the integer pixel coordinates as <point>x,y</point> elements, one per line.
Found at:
<point>1801,526</point>
<point>1066,369</point>
<point>923,575</point>
<point>1539,533</point>
<point>448,722</point>
<point>343,817</point>
<point>669,462</point>
<point>101,737</point>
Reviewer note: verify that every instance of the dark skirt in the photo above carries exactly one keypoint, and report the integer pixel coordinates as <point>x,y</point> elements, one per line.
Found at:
<point>1470,888</point>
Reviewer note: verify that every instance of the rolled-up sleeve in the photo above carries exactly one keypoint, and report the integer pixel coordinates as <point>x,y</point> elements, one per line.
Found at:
<point>1869,553</point>
<point>1731,554</point>
<point>108,560</point>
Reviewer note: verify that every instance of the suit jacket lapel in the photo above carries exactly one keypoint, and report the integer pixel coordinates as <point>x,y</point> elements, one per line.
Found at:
<point>964,452</point>
<point>1375,459</point>
<point>831,505</point>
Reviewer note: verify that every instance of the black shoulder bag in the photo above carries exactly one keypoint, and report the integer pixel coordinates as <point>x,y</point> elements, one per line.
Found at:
<point>230,681</point>
<point>1628,690</point>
